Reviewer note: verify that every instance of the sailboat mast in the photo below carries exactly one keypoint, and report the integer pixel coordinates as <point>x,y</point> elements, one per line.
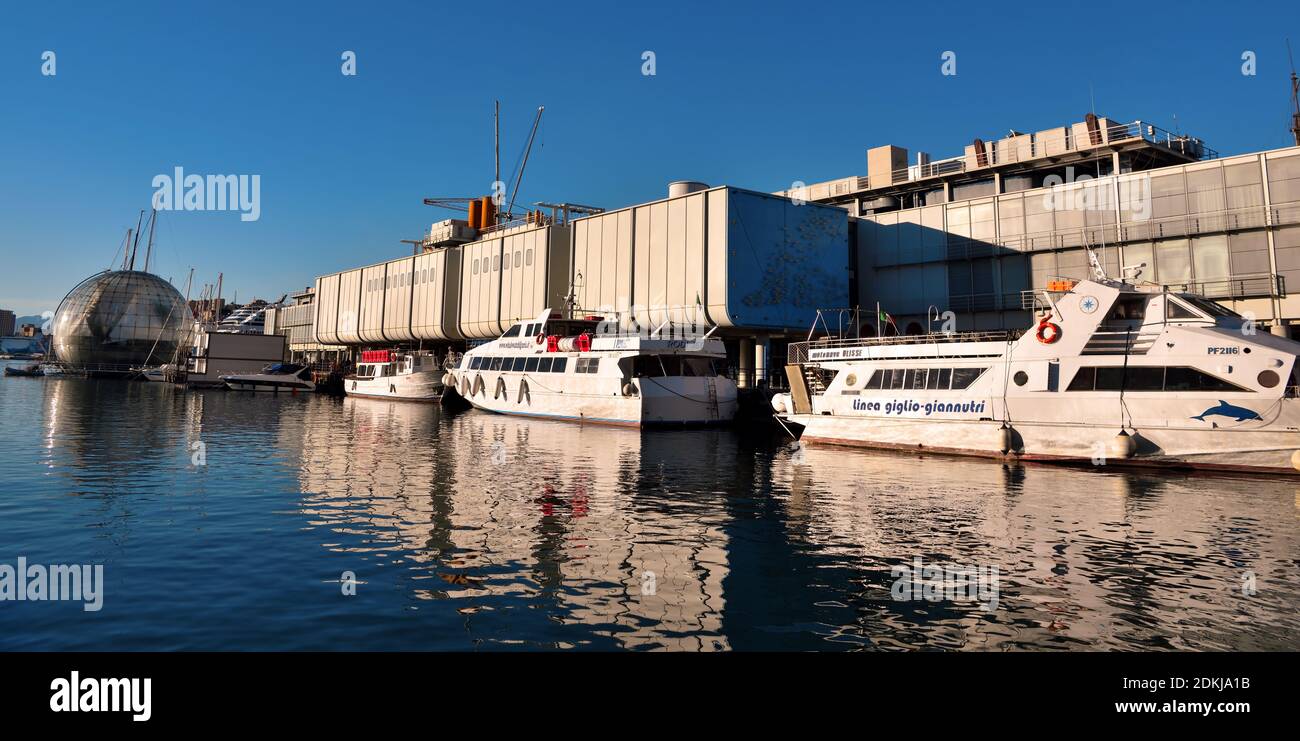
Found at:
<point>148,250</point>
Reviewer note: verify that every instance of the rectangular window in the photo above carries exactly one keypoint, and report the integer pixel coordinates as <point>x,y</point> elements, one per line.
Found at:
<point>475,362</point>
<point>918,378</point>
<point>591,365</point>
<point>964,377</point>
<point>945,378</point>
<point>519,364</point>
<point>531,365</point>
<point>559,365</point>
<point>496,364</point>
<point>512,332</point>
<point>544,365</point>
<point>896,378</point>
<point>875,380</point>
<point>672,365</point>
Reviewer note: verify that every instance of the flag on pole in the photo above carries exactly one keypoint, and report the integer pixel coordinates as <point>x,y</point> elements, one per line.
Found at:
<point>887,319</point>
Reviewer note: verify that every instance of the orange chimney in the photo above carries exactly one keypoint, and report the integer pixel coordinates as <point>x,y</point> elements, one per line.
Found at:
<point>475,215</point>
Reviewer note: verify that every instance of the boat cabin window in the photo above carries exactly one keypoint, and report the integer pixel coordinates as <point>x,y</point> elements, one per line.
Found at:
<point>512,332</point>
<point>544,365</point>
<point>647,366</point>
<point>365,371</point>
<point>1176,310</point>
<point>559,365</point>
<point>1128,308</point>
<point>1147,378</point>
<point>923,378</point>
<point>1213,308</point>
<point>939,378</point>
<point>519,364</point>
<point>496,364</point>
<point>588,365</point>
<point>531,365</point>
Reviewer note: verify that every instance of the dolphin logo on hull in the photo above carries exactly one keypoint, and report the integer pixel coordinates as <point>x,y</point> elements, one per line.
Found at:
<point>1224,409</point>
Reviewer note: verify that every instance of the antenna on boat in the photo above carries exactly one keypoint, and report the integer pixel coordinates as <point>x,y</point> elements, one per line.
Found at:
<point>1098,270</point>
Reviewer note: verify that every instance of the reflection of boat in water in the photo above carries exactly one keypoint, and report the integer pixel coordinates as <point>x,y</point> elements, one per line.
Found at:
<point>33,369</point>
<point>1114,372</point>
<point>274,377</point>
<point>514,511</point>
<point>393,374</point>
<point>567,369</point>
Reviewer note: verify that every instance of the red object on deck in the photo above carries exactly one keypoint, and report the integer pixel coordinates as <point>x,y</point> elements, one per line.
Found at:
<point>594,318</point>
<point>584,343</point>
<point>553,343</point>
<point>376,356</point>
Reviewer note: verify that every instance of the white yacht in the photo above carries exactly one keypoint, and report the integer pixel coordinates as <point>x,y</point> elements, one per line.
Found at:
<point>394,374</point>
<point>1110,373</point>
<point>274,377</point>
<point>249,319</point>
<point>571,369</point>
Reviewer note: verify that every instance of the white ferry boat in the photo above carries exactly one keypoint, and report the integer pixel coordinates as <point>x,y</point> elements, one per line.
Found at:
<point>393,374</point>
<point>274,377</point>
<point>569,369</point>
<point>1111,373</point>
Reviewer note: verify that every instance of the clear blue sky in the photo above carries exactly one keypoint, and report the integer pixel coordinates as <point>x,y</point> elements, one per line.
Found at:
<point>750,94</point>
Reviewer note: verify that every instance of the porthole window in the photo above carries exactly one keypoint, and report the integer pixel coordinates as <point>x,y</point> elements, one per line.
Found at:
<point>851,380</point>
<point>1268,379</point>
<point>1021,378</point>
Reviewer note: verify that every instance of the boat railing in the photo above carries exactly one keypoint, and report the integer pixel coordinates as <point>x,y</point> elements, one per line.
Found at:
<point>799,352</point>
<point>1248,285</point>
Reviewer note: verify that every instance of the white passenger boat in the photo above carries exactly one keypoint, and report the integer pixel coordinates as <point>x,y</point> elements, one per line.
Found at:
<point>1111,373</point>
<point>274,377</point>
<point>393,374</point>
<point>569,369</point>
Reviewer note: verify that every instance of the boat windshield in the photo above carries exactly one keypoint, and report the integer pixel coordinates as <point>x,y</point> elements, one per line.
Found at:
<point>1213,308</point>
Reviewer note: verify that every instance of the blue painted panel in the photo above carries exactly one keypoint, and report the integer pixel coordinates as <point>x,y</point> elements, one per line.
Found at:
<point>784,261</point>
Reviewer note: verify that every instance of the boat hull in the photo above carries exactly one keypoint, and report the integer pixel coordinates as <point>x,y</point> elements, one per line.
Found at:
<point>675,402</point>
<point>271,386</point>
<point>423,386</point>
<point>1254,450</point>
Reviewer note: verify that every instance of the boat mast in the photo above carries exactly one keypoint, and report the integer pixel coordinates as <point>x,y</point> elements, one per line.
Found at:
<point>148,250</point>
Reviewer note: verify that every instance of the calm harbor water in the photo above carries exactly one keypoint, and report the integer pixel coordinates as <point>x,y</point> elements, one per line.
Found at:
<point>480,532</point>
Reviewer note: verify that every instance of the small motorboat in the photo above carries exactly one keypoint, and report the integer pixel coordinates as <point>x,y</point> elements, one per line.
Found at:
<point>28,370</point>
<point>274,377</point>
<point>393,374</point>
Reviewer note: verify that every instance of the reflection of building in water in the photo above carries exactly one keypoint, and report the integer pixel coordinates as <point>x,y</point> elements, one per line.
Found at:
<point>1085,557</point>
<point>577,517</point>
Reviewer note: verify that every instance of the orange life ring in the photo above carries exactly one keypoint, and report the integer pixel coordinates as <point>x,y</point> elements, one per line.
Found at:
<point>1048,332</point>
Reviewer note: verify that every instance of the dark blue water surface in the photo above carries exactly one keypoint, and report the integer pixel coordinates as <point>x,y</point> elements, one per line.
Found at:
<point>476,531</point>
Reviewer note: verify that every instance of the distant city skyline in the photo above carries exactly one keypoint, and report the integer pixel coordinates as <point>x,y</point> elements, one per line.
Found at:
<point>331,167</point>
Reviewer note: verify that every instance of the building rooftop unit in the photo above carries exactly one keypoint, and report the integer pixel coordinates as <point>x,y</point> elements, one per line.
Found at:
<point>1096,146</point>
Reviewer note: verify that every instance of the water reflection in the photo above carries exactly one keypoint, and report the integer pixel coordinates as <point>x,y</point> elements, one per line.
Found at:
<point>478,530</point>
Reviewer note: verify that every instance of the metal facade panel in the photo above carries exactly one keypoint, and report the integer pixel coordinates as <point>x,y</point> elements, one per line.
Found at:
<point>370,322</point>
<point>784,261</point>
<point>397,300</point>
<point>349,313</point>
<point>327,309</point>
